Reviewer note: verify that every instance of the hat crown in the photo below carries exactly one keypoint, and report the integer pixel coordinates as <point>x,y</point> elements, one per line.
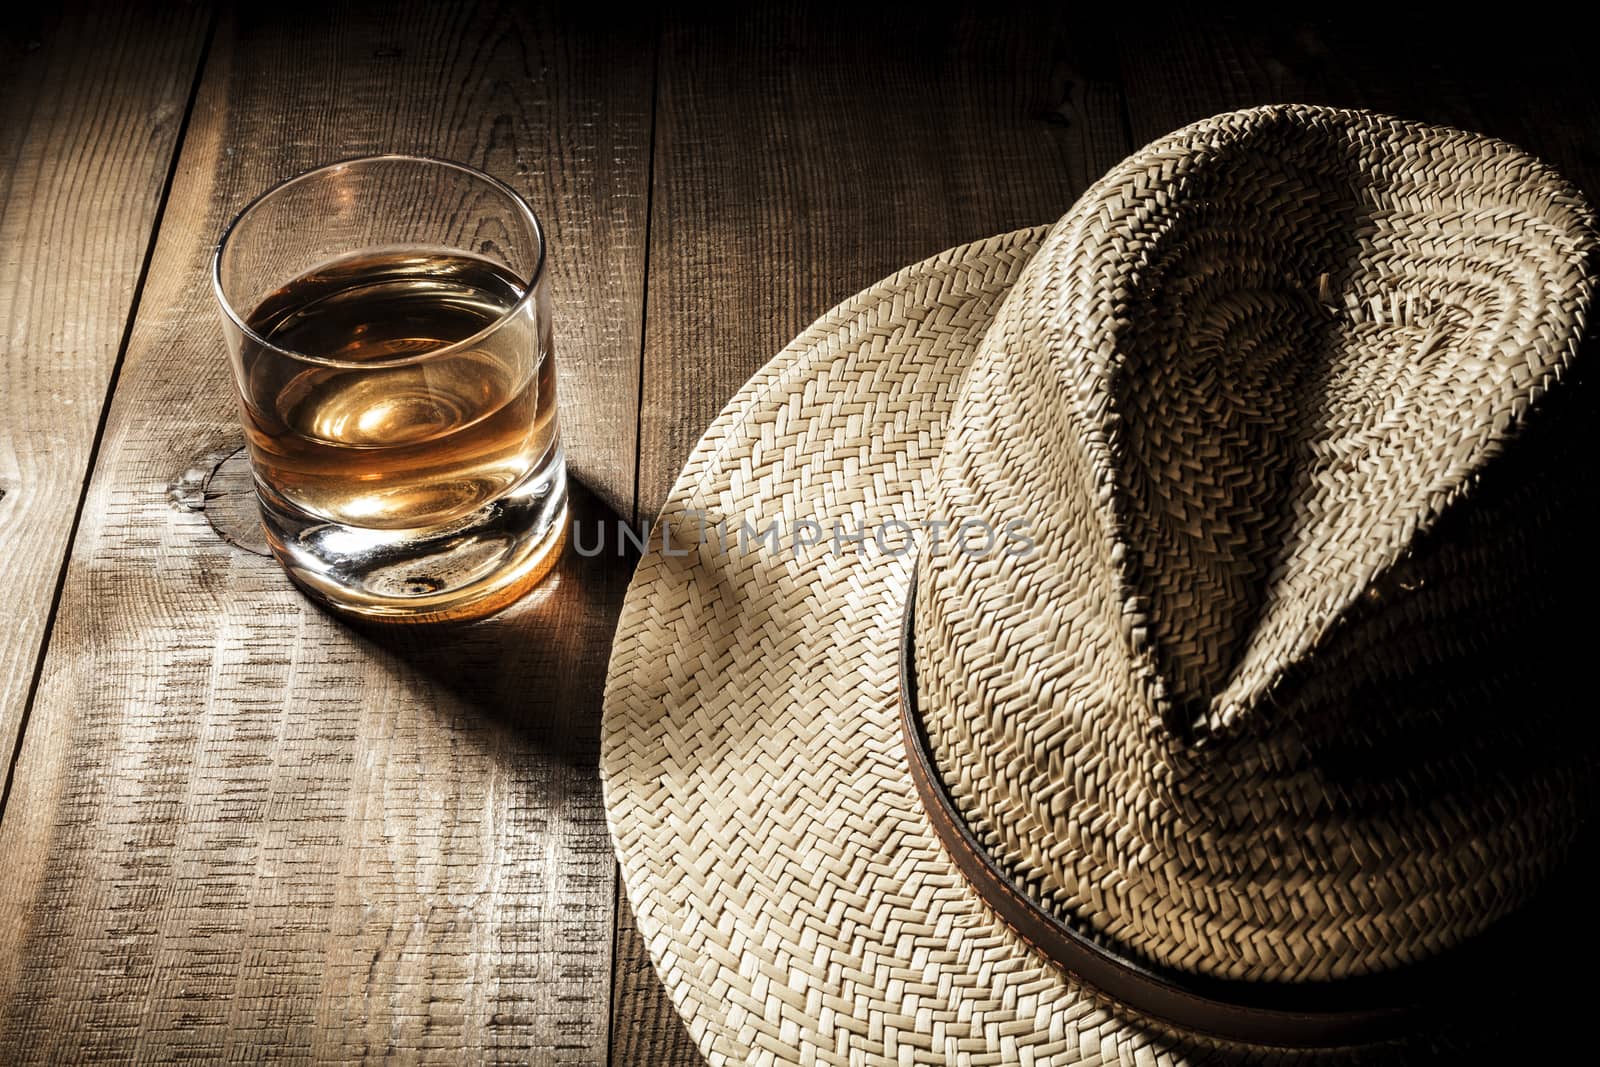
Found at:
<point>1271,403</point>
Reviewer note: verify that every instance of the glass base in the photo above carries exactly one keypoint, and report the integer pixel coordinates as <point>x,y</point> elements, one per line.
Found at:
<point>466,569</point>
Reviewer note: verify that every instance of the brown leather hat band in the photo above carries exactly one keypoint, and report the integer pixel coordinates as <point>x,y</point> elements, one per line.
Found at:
<point>1299,1015</point>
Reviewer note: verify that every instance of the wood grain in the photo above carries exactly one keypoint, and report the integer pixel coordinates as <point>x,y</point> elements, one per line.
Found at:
<point>799,160</point>
<point>90,106</point>
<point>240,829</point>
<point>645,1028</point>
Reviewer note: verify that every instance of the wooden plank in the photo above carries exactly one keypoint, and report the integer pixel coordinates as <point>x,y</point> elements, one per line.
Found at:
<point>645,1027</point>
<point>799,159</point>
<point>240,828</point>
<point>91,102</point>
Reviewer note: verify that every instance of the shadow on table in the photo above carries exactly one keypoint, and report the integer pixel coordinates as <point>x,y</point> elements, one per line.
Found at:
<point>537,668</point>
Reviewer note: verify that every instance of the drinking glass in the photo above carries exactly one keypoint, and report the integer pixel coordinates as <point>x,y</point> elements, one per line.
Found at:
<point>388,323</point>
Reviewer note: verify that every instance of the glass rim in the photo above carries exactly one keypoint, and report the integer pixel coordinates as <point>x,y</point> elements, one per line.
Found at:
<point>528,295</point>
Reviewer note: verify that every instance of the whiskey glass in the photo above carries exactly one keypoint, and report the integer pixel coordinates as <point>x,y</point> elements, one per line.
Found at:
<point>388,324</point>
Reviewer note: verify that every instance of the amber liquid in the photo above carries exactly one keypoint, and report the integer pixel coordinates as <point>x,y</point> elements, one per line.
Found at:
<point>379,438</point>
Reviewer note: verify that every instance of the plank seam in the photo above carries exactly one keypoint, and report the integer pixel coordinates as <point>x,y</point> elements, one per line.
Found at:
<point>644,295</point>
<point>638,459</point>
<point>105,409</point>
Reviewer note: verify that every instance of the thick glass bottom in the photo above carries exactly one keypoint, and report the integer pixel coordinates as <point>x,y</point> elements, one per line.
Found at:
<point>466,569</point>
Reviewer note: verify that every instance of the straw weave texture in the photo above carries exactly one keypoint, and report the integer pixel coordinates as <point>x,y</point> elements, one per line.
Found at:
<point>1280,399</point>
<point>793,896</point>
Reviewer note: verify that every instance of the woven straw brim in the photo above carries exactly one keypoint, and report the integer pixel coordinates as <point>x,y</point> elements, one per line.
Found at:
<point>784,875</point>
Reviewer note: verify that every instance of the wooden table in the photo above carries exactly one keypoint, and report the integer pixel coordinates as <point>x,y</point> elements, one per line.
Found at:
<point>234,828</point>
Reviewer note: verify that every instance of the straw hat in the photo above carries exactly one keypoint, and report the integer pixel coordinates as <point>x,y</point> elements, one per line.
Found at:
<point>1134,640</point>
